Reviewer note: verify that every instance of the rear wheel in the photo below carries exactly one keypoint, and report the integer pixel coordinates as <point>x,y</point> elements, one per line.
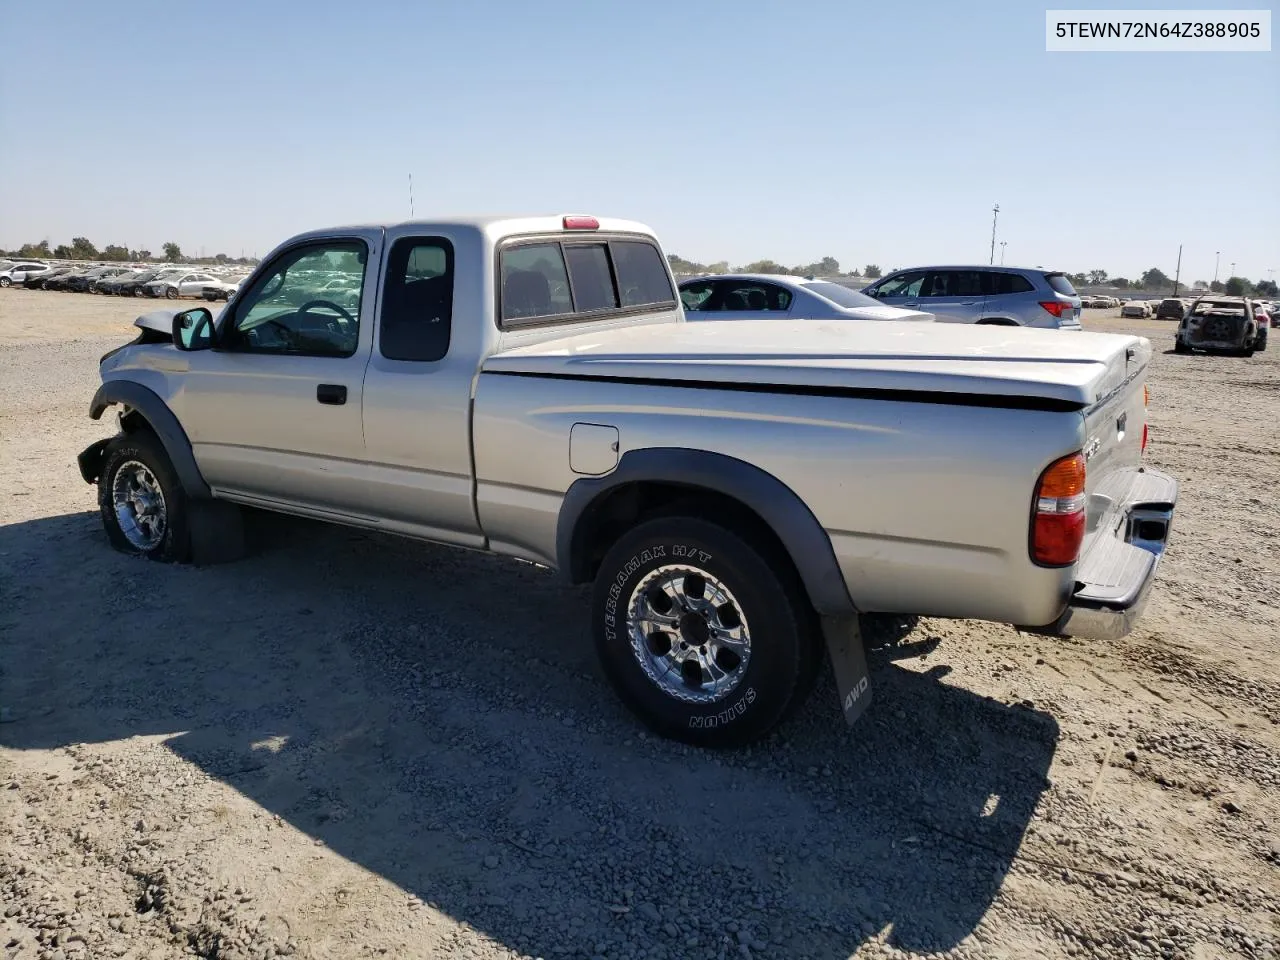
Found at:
<point>143,506</point>
<point>697,634</point>
<point>1179,346</point>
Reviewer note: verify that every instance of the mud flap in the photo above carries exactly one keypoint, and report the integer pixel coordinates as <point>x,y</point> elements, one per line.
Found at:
<point>849,661</point>
<point>217,532</point>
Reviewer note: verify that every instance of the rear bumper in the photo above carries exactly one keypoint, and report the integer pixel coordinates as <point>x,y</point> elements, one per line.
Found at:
<point>1114,577</point>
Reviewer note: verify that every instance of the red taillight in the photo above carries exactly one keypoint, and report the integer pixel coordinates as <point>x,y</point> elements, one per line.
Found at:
<point>581,223</point>
<point>1058,520</point>
<point>1056,307</point>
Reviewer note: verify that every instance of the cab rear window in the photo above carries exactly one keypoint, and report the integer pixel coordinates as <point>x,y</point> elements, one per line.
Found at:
<point>549,281</point>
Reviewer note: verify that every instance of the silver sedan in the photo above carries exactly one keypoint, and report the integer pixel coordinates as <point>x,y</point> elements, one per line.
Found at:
<point>767,296</point>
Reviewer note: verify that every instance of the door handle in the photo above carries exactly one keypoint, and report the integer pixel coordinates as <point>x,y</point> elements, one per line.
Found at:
<point>332,393</point>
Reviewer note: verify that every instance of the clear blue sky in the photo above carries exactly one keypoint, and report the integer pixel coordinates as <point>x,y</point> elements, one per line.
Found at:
<point>739,130</point>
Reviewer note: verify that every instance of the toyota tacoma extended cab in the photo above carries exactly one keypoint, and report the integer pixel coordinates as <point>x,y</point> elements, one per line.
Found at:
<point>738,493</point>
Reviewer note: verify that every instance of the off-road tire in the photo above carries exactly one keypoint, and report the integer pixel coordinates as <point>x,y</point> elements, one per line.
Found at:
<point>143,447</point>
<point>783,648</point>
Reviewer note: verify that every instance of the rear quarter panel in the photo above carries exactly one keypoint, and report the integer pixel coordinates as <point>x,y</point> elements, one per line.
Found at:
<point>927,505</point>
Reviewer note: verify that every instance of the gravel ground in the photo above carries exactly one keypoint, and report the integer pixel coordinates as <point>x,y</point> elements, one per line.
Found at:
<point>351,746</point>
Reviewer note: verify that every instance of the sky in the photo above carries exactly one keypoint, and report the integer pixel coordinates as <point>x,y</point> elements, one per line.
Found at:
<point>739,130</point>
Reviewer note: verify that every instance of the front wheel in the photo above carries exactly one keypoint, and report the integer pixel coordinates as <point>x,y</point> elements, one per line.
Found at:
<point>171,293</point>
<point>698,635</point>
<point>5,281</point>
<point>143,505</point>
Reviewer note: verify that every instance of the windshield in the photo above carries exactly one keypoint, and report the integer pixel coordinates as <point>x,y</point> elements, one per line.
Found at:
<point>841,296</point>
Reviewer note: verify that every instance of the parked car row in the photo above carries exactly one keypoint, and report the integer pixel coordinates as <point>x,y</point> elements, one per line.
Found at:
<point>162,282</point>
<point>1001,296</point>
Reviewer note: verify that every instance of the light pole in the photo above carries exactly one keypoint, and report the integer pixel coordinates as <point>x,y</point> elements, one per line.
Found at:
<point>995,212</point>
<point>1216,255</point>
<point>1233,269</point>
<point>1002,245</point>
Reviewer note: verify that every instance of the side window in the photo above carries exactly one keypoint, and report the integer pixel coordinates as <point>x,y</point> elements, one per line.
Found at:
<point>287,312</point>
<point>737,295</point>
<point>642,277</point>
<point>694,296</point>
<point>1002,283</point>
<point>903,285</point>
<point>954,283</point>
<point>590,276</point>
<point>417,300</point>
<point>534,282</point>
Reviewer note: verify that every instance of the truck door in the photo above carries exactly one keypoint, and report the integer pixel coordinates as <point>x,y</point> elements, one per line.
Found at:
<point>417,389</point>
<point>273,412</point>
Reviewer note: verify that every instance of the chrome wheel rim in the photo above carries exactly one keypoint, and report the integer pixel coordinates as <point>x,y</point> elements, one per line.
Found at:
<point>688,633</point>
<point>139,505</point>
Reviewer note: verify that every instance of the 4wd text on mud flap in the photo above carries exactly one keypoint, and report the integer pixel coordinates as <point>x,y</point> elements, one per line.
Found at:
<point>856,693</point>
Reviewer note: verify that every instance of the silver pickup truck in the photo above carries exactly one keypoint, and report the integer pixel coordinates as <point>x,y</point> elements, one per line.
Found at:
<point>738,492</point>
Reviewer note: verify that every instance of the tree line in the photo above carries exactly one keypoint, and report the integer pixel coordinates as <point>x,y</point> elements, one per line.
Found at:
<point>81,248</point>
<point>1152,279</point>
<point>826,267</point>
<point>1157,279</point>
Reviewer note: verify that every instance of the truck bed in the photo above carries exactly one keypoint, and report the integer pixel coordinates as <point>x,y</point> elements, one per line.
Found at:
<point>1041,367</point>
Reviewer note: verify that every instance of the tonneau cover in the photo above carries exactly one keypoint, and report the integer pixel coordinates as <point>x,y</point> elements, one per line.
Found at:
<point>1065,366</point>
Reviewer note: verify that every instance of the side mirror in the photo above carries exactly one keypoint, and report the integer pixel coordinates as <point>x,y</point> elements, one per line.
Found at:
<point>193,329</point>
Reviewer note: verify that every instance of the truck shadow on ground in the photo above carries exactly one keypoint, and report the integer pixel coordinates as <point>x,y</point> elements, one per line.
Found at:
<point>437,718</point>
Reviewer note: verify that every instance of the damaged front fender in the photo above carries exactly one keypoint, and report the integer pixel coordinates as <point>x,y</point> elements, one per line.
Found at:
<point>90,460</point>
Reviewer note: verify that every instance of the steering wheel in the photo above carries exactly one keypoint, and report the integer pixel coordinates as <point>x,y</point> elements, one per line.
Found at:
<point>285,332</point>
<point>327,303</point>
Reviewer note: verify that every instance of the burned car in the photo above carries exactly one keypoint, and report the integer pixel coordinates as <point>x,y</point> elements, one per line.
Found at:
<point>1226,324</point>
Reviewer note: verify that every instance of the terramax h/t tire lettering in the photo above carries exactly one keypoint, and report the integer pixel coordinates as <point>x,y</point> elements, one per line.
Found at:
<point>698,635</point>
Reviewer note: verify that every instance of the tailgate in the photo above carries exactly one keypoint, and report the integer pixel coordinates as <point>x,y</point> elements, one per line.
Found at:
<point>1130,508</point>
<point>1114,428</point>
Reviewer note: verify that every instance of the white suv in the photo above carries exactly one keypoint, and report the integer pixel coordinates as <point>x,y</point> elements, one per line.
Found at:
<point>20,271</point>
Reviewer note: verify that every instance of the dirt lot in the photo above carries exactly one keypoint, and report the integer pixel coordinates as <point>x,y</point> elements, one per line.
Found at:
<point>349,746</point>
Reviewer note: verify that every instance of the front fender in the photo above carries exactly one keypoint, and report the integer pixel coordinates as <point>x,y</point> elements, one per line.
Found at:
<point>148,405</point>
